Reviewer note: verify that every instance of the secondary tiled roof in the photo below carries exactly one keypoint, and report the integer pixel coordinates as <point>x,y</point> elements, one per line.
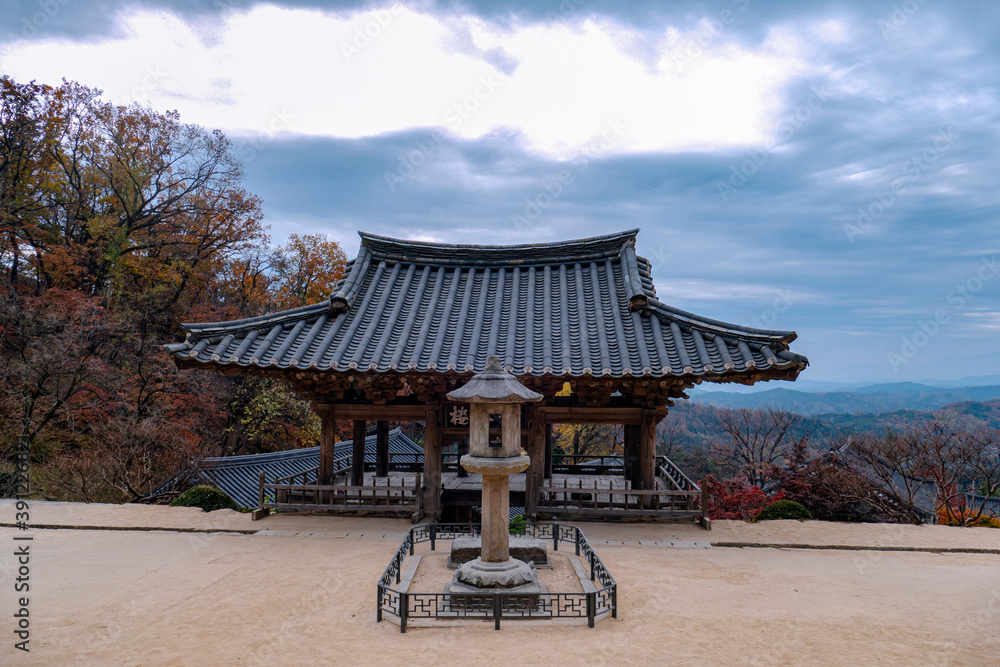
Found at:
<point>239,476</point>
<point>584,307</point>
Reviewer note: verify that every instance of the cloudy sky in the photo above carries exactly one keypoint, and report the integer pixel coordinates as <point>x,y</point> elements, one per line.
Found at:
<point>827,167</point>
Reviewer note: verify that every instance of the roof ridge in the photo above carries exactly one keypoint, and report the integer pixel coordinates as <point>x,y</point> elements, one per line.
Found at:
<point>594,248</point>
<point>623,235</point>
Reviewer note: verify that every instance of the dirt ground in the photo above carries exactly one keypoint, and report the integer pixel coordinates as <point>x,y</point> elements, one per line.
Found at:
<point>301,591</point>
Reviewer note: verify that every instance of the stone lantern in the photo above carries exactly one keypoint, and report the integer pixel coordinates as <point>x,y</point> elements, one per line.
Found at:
<point>495,396</point>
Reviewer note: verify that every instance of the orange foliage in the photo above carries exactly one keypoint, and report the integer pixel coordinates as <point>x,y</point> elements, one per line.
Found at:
<point>964,516</point>
<point>122,222</point>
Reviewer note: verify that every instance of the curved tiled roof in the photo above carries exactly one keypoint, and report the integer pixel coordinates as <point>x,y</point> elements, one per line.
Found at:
<point>582,307</point>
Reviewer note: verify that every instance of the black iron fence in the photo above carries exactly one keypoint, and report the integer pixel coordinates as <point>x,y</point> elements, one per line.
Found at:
<point>600,598</point>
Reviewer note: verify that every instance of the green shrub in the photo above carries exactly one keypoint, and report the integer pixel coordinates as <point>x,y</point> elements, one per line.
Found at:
<point>517,525</point>
<point>784,509</point>
<point>206,497</point>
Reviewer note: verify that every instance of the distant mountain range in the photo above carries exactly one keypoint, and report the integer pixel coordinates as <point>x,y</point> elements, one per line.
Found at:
<point>865,399</point>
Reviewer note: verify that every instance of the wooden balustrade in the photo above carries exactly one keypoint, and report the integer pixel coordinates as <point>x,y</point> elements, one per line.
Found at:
<point>595,499</point>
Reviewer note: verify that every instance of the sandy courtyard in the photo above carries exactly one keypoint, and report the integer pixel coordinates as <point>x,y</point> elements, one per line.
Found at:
<point>301,591</point>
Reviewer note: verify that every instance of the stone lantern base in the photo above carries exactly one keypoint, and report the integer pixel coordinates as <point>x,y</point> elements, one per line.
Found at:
<point>511,576</point>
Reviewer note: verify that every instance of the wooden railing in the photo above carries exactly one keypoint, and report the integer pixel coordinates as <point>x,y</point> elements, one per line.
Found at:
<point>595,499</point>
<point>587,464</point>
<point>402,462</point>
<point>301,492</point>
<point>673,476</point>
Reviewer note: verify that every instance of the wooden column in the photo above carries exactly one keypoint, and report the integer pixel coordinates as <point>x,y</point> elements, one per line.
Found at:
<point>327,436</point>
<point>382,448</point>
<point>548,449</point>
<point>358,453</point>
<point>631,454</point>
<point>432,463</point>
<point>646,459</point>
<point>535,447</point>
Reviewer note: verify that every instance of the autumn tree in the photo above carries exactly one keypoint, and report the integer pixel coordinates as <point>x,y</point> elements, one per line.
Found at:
<point>304,270</point>
<point>124,202</point>
<point>581,440</point>
<point>24,133</point>
<point>265,416</point>
<point>826,487</point>
<point>49,350</point>
<point>122,221</point>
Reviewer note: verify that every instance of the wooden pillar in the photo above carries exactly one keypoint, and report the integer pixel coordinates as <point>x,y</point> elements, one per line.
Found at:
<point>358,453</point>
<point>646,459</point>
<point>327,436</point>
<point>382,448</point>
<point>535,447</point>
<point>631,454</point>
<point>432,463</point>
<point>548,449</point>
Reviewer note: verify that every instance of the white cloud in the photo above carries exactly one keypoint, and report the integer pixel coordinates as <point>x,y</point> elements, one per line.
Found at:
<point>355,75</point>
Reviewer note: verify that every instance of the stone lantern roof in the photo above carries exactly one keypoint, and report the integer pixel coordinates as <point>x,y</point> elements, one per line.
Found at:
<point>494,385</point>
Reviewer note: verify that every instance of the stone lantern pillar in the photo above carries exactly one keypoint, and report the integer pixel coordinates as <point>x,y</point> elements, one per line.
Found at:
<point>495,395</point>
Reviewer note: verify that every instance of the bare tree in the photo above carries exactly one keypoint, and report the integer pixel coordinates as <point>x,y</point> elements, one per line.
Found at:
<point>670,434</point>
<point>758,440</point>
<point>890,463</point>
<point>138,455</point>
<point>984,473</point>
<point>928,471</point>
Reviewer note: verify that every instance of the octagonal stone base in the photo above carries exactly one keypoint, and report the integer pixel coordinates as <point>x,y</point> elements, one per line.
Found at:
<point>512,575</point>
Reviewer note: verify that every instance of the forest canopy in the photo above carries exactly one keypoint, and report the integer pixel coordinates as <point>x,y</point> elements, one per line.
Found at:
<point>116,224</point>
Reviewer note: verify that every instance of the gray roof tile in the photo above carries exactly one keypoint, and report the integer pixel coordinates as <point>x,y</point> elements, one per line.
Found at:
<point>584,307</point>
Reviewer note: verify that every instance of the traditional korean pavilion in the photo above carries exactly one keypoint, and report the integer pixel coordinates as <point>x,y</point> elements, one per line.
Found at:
<point>412,321</point>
